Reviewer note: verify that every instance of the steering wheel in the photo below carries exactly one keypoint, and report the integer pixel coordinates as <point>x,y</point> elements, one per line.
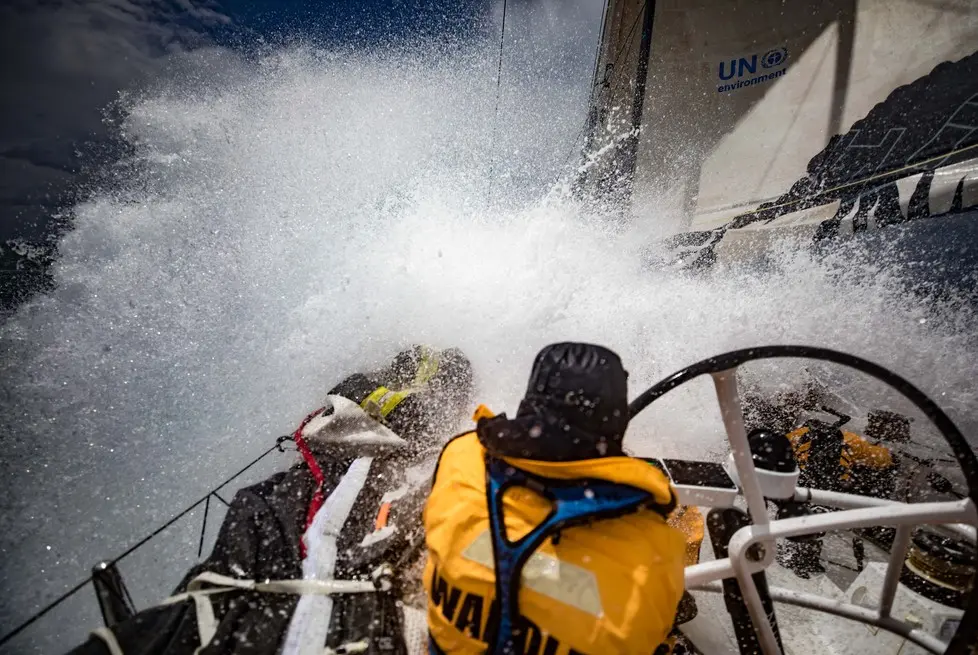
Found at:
<point>723,370</point>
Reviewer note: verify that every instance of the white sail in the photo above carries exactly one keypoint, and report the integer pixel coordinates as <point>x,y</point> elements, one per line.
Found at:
<point>736,98</point>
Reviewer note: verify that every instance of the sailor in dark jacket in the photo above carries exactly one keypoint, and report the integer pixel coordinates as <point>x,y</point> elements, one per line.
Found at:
<point>308,558</point>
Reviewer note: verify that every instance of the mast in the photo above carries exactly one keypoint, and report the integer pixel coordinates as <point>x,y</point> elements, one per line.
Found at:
<point>638,98</point>
<point>617,99</point>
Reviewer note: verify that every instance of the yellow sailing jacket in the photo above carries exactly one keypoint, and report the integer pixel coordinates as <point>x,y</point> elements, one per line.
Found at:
<point>609,587</point>
<point>689,520</point>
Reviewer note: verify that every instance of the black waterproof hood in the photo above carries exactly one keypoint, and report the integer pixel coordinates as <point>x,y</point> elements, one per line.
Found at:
<point>575,407</point>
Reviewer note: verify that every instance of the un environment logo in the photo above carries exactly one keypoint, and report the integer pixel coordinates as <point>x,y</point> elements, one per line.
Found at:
<point>774,58</point>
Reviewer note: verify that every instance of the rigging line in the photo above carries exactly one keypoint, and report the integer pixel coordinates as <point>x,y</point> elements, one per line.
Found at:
<point>65,596</point>
<point>871,178</point>
<point>203,528</point>
<point>597,52</point>
<point>23,626</point>
<point>594,84</point>
<point>71,592</point>
<point>638,99</point>
<point>187,510</point>
<point>595,72</point>
<point>573,147</point>
<point>495,113</point>
<point>627,43</point>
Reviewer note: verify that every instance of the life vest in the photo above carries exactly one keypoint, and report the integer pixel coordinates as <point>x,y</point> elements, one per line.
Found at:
<point>612,586</point>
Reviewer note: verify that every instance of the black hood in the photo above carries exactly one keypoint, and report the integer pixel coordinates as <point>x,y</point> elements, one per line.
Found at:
<point>575,407</point>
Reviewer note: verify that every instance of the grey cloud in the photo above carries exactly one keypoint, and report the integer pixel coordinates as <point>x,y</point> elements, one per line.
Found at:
<point>64,62</point>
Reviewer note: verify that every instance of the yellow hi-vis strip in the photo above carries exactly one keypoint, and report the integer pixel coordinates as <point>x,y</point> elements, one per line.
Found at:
<point>382,401</point>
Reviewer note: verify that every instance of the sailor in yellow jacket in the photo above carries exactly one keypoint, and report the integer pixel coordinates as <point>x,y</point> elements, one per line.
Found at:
<point>542,536</point>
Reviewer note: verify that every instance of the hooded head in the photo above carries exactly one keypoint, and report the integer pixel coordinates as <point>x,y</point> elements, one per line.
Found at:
<point>575,407</point>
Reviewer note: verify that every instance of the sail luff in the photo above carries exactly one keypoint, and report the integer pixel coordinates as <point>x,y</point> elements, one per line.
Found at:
<point>612,115</point>
<point>638,98</point>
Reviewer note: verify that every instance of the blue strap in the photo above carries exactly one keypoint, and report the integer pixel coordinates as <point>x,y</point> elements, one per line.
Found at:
<point>434,648</point>
<point>575,502</point>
